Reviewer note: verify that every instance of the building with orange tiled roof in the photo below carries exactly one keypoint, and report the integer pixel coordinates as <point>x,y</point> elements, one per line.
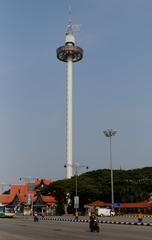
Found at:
<point>15,189</point>
<point>26,197</point>
<point>145,206</point>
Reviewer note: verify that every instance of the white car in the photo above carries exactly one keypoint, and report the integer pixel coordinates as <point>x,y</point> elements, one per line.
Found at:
<point>104,212</point>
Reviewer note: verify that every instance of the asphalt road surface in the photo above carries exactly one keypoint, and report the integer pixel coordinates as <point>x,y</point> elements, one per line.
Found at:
<point>27,229</point>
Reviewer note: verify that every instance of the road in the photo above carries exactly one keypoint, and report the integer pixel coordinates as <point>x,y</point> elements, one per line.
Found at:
<point>26,229</point>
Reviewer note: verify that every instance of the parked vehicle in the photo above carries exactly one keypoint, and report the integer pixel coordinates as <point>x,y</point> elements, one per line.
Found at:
<point>104,212</point>
<point>6,212</point>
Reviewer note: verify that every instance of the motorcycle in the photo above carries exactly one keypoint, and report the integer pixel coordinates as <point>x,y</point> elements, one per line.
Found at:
<point>94,225</point>
<point>36,219</point>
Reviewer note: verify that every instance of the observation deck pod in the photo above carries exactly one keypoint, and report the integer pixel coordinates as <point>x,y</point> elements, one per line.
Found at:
<point>69,50</point>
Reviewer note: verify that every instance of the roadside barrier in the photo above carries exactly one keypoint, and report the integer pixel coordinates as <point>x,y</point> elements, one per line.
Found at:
<point>87,221</point>
<point>135,216</point>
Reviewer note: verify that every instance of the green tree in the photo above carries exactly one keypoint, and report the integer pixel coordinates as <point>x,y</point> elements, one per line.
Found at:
<point>129,186</point>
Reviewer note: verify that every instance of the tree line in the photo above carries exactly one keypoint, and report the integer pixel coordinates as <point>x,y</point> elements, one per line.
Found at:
<point>132,185</point>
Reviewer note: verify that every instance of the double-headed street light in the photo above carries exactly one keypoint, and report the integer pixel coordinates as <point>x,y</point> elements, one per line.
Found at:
<point>109,133</point>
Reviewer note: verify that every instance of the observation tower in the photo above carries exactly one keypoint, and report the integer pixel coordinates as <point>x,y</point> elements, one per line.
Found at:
<point>69,53</point>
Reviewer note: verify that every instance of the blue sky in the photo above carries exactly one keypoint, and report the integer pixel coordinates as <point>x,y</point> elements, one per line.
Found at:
<point>112,86</point>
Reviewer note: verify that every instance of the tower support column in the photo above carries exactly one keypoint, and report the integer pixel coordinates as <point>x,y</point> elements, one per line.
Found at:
<point>69,118</point>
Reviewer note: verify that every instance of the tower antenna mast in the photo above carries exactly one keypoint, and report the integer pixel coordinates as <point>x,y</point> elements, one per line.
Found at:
<point>70,13</point>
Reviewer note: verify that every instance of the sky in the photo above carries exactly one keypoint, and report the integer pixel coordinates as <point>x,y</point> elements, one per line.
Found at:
<point>112,86</point>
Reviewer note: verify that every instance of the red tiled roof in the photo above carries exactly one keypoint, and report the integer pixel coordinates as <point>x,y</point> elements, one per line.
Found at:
<point>99,204</point>
<point>37,181</point>
<point>48,199</point>
<point>145,204</point>
<point>18,189</point>
<point>46,181</point>
<point>135,205</point>
<point>22,198</point>
<point>4,198</point>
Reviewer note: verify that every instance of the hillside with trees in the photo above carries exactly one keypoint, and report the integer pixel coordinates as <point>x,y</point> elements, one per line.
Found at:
<point>129,186</point>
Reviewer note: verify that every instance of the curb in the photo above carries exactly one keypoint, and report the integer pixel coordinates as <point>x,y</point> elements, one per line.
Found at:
<point>136,215</point>
<point>87,221</point>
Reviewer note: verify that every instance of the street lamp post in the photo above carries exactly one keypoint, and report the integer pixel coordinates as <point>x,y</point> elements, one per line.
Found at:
<point>76,198</point>
<point>109,133</point>
<point>76,169</point>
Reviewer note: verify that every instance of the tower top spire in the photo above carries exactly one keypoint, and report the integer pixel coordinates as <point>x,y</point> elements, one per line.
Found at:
<point>70,13</point>
<point>71,28</point>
